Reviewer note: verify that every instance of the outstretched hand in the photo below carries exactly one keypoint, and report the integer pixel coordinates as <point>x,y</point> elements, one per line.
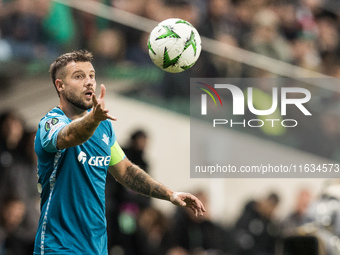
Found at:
<point>188,200</point>
<point>99,111</point>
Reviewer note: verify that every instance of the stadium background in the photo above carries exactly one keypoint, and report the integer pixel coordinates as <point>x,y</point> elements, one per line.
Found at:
<point>241,38</point>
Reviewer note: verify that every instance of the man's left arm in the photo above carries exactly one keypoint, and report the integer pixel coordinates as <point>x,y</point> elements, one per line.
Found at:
<point>133,177</point>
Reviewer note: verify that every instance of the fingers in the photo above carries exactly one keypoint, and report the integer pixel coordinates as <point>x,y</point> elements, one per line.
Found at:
<point>102,91</point>
<point>197,206</point>
<point>194,209</point>
<point>102,114</point>
<point>94,100</point>
<point>190,201</point>
<point>99,106</point>
<point>200,205</point>
<point>198,210</point>
<point>111,117</point>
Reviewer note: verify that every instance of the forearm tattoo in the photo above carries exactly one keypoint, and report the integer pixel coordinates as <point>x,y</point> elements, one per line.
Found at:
<point>77,132</point>
<point>139,181</point>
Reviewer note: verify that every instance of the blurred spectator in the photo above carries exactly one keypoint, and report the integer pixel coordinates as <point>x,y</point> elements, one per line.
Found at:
<point>155,10</point>
<point>328,35</point>
<point>177,251</point>
<point>323,231</point>
<point>327,41</point>
<point>183,9</point>
<point>219,19</point>
<point>18,176</point>
<point>12,212</point>
<point>306,10</point>
<point>289,24</point>
<point>27,188</point>
<point>136,148</point>
<point>132,6</point>
<point>330,124</point>
<point>266,39</point>
<point>152,234</point>
<point>304,52</point>
<point>59,28</point>
<point>88,26</point>
<point>313,6</point>
<point>20,26</point>
<point>28,28</point>
<point>27,148</point>
<point>139,53</point>
<point>299,216</point>
<point>199,235</point>
<point>135,152</point>
<point>132,35</point>
<point>244,15</point>
<point>11,132</point>
<point>226,67</point>
<point>325,211</point>
<point>256,231</point>
<point>109,47</point>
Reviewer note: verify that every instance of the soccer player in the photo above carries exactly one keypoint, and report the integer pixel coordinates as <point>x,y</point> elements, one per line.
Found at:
<point>76,146</point>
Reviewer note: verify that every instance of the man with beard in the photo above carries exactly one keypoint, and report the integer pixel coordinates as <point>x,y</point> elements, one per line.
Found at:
<point>76,146</point>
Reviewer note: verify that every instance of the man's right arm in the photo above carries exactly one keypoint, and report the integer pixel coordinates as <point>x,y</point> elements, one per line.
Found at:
<point>80,130</point>
<point>77,132</point>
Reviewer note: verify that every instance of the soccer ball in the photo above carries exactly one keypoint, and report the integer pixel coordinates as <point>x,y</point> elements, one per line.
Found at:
<point>174,45</point>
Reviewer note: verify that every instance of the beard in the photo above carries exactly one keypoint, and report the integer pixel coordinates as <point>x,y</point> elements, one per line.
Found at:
<point>77,102</point>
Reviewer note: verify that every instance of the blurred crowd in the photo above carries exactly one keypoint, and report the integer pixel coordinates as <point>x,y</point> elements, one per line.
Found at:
<point>136,227</point>
<point>19,197</point>
<point>304,33</point>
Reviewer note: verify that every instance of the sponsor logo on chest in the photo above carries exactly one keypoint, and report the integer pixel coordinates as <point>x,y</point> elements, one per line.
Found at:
<point>93,160</point>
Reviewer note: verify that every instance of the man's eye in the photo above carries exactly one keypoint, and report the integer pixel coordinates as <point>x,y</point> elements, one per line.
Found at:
<point>77,77</point>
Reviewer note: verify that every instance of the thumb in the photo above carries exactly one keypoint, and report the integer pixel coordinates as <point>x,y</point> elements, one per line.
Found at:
<point>102,91</point>
<point>177,199</point>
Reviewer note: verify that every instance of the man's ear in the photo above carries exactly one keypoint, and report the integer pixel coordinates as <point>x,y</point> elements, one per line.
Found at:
<point>59,84</point>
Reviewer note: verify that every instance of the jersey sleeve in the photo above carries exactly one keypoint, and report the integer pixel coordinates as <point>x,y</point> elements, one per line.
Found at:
<point>117,154</point>
<point>49,129</point>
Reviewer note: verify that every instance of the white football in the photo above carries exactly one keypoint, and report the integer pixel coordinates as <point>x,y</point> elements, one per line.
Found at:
<point>174,45</point>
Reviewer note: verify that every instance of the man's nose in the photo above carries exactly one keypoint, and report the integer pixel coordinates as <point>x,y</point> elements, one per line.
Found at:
<point>89,82</point>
